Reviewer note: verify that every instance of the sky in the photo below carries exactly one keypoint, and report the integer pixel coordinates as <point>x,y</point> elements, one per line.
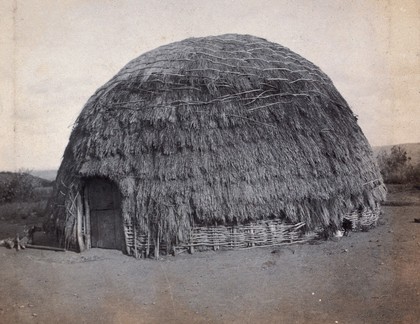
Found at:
<point>55,54</point>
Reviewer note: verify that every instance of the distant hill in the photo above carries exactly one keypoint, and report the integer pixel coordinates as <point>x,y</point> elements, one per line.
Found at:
<point>49,175</point>
<point>7,177</point>
<point>412,149</point>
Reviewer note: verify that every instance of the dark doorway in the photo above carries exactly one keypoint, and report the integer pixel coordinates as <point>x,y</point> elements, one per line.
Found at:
<point>106,226</point>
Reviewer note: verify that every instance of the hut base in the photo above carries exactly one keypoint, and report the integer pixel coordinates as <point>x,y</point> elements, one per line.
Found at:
<point>253,235</point>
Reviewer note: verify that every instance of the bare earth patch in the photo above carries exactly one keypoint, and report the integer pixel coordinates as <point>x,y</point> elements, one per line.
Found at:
<point>368,277</point>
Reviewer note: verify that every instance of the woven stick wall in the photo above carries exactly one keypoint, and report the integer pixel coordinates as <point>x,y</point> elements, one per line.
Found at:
<point>264,233</point>
<point>362,220</point>
<point>257,234</point>
<point>267,233</point>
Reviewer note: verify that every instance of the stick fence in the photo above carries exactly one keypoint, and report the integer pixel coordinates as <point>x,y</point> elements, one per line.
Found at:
<point>253,235</point>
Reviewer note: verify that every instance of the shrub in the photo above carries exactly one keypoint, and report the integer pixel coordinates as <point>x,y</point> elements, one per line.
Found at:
<point>414,174</point>
<point>23,210</point>
<point>396,168</point>
<point>16,187</point>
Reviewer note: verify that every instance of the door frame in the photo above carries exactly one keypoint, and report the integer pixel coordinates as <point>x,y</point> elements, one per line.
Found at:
<point>84,220</point>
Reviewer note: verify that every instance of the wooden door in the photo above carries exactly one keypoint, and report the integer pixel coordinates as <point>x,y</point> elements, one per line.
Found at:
<point>105,215</point>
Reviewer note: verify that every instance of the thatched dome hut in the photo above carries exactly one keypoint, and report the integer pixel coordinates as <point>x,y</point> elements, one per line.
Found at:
<point>212,132</point>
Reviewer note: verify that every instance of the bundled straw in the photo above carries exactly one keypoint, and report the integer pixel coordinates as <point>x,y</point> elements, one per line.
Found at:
<point>220,130</point>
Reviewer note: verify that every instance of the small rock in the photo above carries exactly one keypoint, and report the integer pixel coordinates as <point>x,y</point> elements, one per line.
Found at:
<point>320,300</point>
<point>34,314</point>
<point>30,305</point>
<point>313,293</point>
<point>153,303</point>
<point>22,306</point>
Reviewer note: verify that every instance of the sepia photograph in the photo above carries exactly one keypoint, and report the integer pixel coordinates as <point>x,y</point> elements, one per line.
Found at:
<point>226,161</point>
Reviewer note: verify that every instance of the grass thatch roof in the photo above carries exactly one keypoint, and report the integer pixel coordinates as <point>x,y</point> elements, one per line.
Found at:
<point>223,129</point>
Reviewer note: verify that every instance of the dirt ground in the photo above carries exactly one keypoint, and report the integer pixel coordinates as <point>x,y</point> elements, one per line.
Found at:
<point>369,277</point>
